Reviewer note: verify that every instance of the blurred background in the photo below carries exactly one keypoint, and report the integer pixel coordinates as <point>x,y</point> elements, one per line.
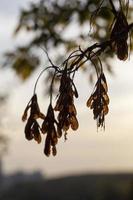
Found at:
<point>91,164</point>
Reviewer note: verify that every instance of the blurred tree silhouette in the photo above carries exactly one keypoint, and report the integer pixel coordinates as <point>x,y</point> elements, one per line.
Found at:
<point>50,20</point>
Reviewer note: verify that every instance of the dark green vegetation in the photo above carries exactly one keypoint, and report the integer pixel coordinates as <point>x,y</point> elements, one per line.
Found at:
<point>81,187</point>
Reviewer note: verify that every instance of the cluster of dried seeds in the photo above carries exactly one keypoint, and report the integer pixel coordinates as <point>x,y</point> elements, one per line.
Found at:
<point>51,127</point>
<point>99,101</point>
<point>119,36</point>
<point>54,127</point>
<point>32,128</point>
<point>65,104</point>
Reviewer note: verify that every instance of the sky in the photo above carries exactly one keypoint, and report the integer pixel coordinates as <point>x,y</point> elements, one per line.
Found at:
<point>86,150</point>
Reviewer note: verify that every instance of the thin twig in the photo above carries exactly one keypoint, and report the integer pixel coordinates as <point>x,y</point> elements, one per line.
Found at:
<point>113,7</point>
<point>49,67</point>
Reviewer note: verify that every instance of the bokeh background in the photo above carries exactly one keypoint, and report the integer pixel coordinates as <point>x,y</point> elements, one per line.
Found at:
<point>86,150</point>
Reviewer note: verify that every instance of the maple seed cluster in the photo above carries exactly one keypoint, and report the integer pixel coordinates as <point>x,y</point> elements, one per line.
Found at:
<point>99,101</point>
<point>119,36</point>
<point>65,104</point>
<point>49,127</point>
<point>32,128</point>
<point>53,128</point>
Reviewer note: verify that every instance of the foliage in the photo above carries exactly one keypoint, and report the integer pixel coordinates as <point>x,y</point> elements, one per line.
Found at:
<point>49,20</point>
<point>23,62</point>
<point>54,126</point>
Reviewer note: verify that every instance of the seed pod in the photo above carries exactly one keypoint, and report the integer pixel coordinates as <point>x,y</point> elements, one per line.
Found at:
<point>28,132</point>
<point>119,36</point>
<point>99,101</point>
<point>74,123</point>
<point>48,127</point>
<point>47,148</point>
<point>54,151</point>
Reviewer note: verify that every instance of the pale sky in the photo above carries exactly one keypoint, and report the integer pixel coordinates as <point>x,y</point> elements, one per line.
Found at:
<point>86,150</point>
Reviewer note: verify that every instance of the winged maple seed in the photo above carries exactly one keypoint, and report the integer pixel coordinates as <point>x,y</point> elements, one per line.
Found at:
<point>65,104</point>
<point>99,101</point>
<point>49,128</point>
<point>32,128</point>
<point>66,117</point>
<point>119,36</point>
<point>34,109</point>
